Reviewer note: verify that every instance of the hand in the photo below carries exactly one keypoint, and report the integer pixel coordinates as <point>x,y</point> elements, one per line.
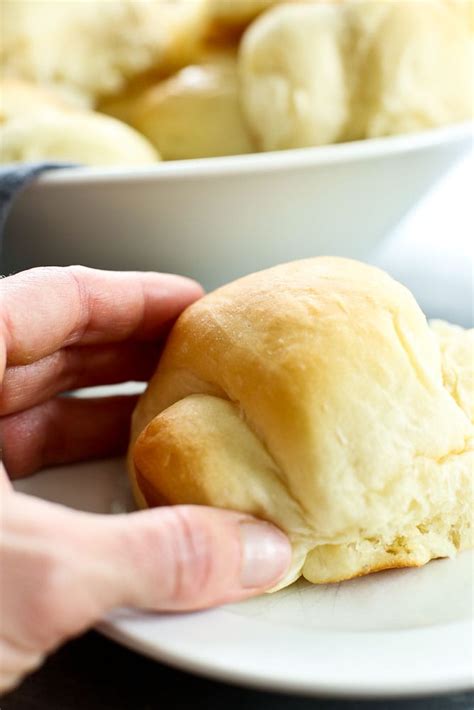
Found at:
<point>62,570</point>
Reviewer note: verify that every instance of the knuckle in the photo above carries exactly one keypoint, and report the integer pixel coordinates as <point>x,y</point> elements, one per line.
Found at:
<point>193,569</point>
<point>77,269</point>
<point>176,558</point>
<point>77,277</point>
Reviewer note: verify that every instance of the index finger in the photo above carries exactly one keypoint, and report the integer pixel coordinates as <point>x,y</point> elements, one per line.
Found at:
<point>44,309</point>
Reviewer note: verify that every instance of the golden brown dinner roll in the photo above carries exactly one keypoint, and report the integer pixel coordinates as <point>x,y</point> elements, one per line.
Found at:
<point>93,47</point>
<point>196,112</point>
<point>323,73</point>
<point>316,395</point>
<point>124,104</point>
<point>36,124</point>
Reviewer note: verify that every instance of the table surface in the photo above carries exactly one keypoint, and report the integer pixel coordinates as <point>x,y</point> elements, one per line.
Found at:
<point>92,673</point>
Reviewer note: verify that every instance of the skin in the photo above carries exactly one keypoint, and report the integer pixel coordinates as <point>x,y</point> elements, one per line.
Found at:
<point>61,570</point>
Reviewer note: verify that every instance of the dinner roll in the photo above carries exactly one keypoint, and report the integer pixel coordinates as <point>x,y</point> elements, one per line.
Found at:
<point>315,395</point>
<point>93,47</point>
<point>35,125</point>
<point>316,74</point>
<point>196,113</point>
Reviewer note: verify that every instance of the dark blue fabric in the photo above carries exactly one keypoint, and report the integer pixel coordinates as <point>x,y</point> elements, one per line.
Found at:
<point>14,178</point>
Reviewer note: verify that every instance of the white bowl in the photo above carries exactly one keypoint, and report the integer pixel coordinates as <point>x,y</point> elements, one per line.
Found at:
<point>218,218</point>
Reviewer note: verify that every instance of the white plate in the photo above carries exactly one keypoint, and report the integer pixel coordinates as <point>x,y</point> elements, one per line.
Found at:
<point>392,634</point>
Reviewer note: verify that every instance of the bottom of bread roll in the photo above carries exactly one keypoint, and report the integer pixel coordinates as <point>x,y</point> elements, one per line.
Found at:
<point>441,537</point>
<point>327,564</point>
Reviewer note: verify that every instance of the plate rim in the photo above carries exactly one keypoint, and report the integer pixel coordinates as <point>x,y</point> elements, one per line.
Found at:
<point>115,628</point>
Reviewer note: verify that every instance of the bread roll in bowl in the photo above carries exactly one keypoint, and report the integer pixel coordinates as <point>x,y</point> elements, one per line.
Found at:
<point>195,113</point>
<point>325,73</point>
<point>316,395</point>
<point>36,124</point>
<point>91,48</point>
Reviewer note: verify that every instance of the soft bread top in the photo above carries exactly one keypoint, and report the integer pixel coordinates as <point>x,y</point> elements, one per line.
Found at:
<point>37,124</point>
<point>316,395</point>
<point>92,48</point>
<point>196,112</point>
<point>322,73</point>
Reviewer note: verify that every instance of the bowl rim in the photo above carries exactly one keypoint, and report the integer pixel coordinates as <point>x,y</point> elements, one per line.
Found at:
<point>272,161</point>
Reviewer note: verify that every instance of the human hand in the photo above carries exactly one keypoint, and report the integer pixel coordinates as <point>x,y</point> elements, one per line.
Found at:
<point>62,570</point>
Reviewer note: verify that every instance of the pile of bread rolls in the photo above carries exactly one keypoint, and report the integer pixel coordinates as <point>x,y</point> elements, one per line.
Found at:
<point>199,78</point>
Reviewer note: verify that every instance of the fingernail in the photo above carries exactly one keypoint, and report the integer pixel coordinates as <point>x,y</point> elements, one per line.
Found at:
<point>266,554</point>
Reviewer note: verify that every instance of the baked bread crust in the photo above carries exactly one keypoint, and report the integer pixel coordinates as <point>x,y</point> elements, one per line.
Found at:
<point>316,395</point>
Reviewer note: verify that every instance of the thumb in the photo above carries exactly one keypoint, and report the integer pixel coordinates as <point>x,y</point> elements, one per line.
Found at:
<point>190,557</point>
<point>61,570</point>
